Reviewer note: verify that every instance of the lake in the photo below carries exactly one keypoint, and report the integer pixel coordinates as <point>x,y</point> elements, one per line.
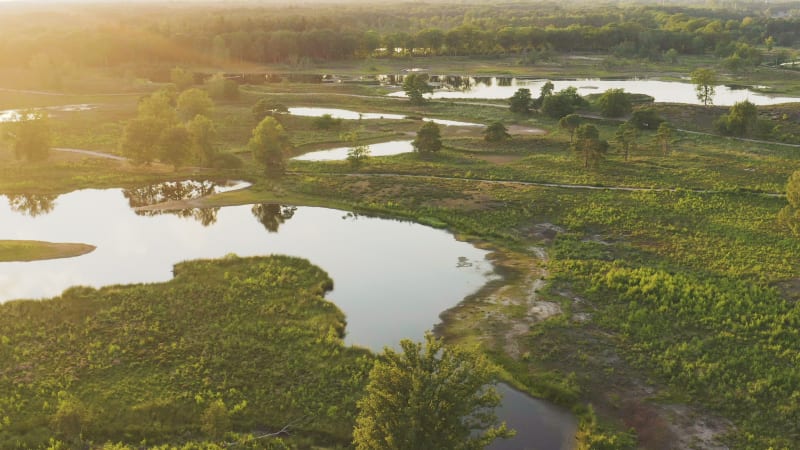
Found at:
<point>391,278</point>
<point>347,114</point>
<point>457,87</point>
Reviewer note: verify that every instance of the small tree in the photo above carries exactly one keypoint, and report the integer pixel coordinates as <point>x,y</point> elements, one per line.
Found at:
<point>704,81</point>
<point>270,145</point>
<point>646,119</point>
<point>428,139</point>
<point>614,103</point>
<point>626,136</point>
<point>326,122</point>
<point>428,397</point>
<point>30,136</point>
<point>588,145</point>
<point>220,87</point>
<point>358,153</point>
<point>520,102</point>
<point>790,214</point>
<point>570,122</point>
<point>415,86</point>
<point>563,103</point>
<point>741,120</point>
<point>216,420</point>
<point>664,136</point>
<point>496,132</point>
<point>192,102</point>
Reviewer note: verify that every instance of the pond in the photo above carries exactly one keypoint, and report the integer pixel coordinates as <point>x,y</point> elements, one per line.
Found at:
<point>12,115</point>
<point>391,278</point>
<point>456,87</point>
<point>340,153</point>
<point>347,114</point>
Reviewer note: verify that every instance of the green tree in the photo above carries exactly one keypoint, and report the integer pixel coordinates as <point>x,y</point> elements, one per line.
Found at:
<point>520,102</point>
<point>203,133</point>
<point>216,420</point>
<point>704,80</point>
<point>222,88</point>
<point>326,122</point>
<point>741,120</point>
<point>181,78</point>
<point>192,102</point>
<point>614,103</point>
<point>496,132</point>
<point>159,106</point>
<point>626,136</point>
<point>790,214</point>
<point>562,103</point>
<point>415,86</point>
<point>646,119</point>
<point>664,136</point>
<point>588,145</point>
<point>358,153</point>
<point>570,122</point>
<point>140,139</point>
<point>270,145</point>
<point>428,139</point>
<point>70,419</point>
<point>30,136</point>
<point>428,397</point>
<point>175,146</point>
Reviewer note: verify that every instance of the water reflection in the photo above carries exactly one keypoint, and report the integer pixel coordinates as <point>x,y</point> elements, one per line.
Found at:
<point>175,191</point>
<point>503,87</point>
<point>272,215</point>
<point>32,204</point>
<point>346,114</point>
<point>340,153</point>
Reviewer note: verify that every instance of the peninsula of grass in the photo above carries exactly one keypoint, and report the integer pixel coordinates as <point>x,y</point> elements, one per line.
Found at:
<point>227,348</point>
<point>11,251</point>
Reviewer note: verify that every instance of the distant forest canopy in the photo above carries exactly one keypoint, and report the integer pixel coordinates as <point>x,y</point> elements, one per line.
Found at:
<point>103,35</point>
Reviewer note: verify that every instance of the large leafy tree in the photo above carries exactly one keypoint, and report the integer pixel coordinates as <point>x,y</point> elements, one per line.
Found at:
<point>140,139</point>
<point>30,136</point>
<point>614,103</point>
<point>428,396</point>
<point>175,146</point>
<point>741,120</point>
<point>428,139</point>
<point>704,81</point>
<point>203,134</point>
<point>790,215</point>
<point>496,132</point>
<point>415,86</point>
<point>520,102</point>
<point>192,102</point>
<point>270,145</point>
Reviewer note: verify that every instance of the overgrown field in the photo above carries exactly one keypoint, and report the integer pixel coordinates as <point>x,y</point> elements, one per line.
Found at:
<point>234,345</point>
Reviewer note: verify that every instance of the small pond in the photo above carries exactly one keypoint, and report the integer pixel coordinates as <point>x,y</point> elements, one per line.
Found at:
<point>340,153</point>
<point>456,87</point>
<point>391,278</point>
<point>355,115</point>
<point>12,115</point>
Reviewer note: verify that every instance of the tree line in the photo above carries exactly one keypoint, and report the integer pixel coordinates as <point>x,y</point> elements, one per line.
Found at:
<point>298,34</point>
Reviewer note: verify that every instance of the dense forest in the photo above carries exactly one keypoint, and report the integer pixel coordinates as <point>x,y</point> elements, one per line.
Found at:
<point>103,36</point>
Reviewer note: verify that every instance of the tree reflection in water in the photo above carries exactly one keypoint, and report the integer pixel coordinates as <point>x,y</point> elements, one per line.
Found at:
<point>32,204</point>
<point>174,191</point>
<point>272,215</point>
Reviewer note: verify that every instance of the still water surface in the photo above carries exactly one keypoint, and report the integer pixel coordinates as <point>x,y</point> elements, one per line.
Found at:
<point>340,153</point>
<point>392,278</point>
<point>662,91</point>
<point>355,115</point>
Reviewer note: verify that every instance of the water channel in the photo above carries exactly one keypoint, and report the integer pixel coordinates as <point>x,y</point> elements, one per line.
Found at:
<point>458,87</point>
<point>346,114</point>
<point>340,153</point>
<point>392,278</point>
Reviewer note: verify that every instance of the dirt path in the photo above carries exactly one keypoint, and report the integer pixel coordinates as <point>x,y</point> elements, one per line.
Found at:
<point>90,153</point>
